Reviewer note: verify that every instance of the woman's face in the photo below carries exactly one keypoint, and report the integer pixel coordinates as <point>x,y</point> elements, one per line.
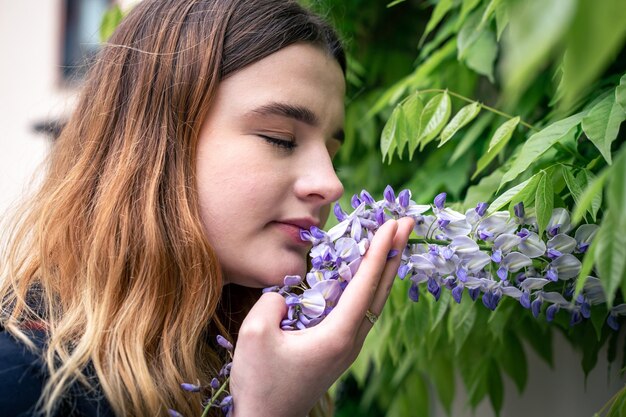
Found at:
<point>264,162</point>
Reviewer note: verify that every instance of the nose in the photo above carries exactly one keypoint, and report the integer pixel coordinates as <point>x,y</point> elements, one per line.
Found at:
<point>318,181</point>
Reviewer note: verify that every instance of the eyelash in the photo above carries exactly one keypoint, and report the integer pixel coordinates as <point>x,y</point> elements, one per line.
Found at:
<point>280,143</point>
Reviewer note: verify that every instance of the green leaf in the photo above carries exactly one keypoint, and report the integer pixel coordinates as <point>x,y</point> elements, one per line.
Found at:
<point>481,54</point>
<point>596,35</point>
<point>441,372</point>
<point>539,143</point>
<point>527,194</point>
<point>491,8</point>
<point>484,190</point>
<point>466,7</point>
<point>535,29</point>
<point>620,93</point>
<point>590,350</point>
<point>528,186</point>
<point>601,124</point>
<point>387,139</point>
<point>544,201</point>
<point>461,322</point>
<point>514,362</point>
<point>587,266</point>
<point>504,132</point>
<point>467,34</point>
<point>496,387</point>
<point>433,63</point>
<point>473,133</point>
<point>441,9</point>
<point>498,141</point>
<point>598,318</point>
<point>611,251</point>
<point>539,337</point>
<point>589,195</point>
<point>390,96</point>
<point>502,20</point>
<point>412,109</point>
<point>596,202</point>
<point>434,117</point>
<point>574,185</point>
<point>110,22</point>
<point>415,392</point>
<point>438,310</point>
<point>402,131</point>
<point>461,119</point>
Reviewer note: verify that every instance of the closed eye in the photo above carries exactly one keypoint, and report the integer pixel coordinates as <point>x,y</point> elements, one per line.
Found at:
<point>281,143</point>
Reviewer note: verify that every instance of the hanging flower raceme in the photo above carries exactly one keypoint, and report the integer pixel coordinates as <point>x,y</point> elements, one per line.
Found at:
<point>215,394</point>
<point>489,256</point>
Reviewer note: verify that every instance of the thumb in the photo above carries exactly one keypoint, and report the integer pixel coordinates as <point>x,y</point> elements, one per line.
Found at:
<point>268,311</point>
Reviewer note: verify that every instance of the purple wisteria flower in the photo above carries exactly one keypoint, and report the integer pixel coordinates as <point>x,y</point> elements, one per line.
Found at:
<point>490,255</point>
<point>215,394</point>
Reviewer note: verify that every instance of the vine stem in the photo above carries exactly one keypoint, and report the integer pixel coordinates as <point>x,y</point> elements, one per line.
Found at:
<point>214,397</point>
<point>442,242</point>
<point>484,106</point>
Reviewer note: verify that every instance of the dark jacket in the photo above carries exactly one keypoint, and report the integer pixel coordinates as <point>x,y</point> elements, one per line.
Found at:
<point>22,376</point>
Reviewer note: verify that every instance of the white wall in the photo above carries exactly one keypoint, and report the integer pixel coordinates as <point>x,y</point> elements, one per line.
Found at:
<point>30,88</point>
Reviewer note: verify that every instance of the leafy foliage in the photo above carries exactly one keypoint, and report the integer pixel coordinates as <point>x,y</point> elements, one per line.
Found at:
<point>492,100</point>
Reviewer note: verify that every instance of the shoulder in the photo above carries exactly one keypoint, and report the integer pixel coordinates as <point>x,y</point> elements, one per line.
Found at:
<point>21,376</point>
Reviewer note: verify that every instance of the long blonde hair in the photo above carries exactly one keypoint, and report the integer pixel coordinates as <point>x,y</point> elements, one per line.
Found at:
<point>110,255</point>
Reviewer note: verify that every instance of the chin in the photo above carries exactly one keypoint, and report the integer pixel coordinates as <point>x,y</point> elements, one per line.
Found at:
<point>268,276</point>
<point>281,270</point>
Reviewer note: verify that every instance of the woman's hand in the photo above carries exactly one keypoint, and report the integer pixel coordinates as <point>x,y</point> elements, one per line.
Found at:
<point>284,373</point>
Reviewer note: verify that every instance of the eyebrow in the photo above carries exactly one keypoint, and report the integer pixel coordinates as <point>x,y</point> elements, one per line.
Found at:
<point>299,113</point>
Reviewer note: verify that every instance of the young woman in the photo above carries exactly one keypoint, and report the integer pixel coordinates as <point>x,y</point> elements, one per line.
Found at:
<point>200,146</point>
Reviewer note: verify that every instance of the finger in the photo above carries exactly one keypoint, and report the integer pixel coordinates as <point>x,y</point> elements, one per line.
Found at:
<point>405,227</point>
<point>266,314</point>
<point>358,295</point>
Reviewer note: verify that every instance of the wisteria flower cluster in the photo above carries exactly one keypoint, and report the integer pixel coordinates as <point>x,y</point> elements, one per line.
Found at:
<point>486,255</point>
<point>489,255</point>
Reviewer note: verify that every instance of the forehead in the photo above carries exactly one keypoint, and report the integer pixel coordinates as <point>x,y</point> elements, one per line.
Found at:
<point>300,75</point>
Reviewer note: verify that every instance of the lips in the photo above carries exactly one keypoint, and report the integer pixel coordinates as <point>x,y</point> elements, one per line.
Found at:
<point>292,227</point>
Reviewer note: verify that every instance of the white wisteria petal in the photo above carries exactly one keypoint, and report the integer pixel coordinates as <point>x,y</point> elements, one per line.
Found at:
<point>511,291</point>
<point>555,298</point>
<point>424,225</point>
<point>534,283</point>
<point>560,217</point>
<point>464,245</point>
<point>594,292</point>
<point>532,246</point>
<point>563,243</point>
<point>567,266</point>
<point>416,209</point>
<point>458,228</point>
<point>339,229</point>
<point>421,263</point>
<point>449,215</point>
<point>477,262</point>
<point>313,303</point>
<point>585,233</point>
<point>515,261</point>
<point>506,242</point>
